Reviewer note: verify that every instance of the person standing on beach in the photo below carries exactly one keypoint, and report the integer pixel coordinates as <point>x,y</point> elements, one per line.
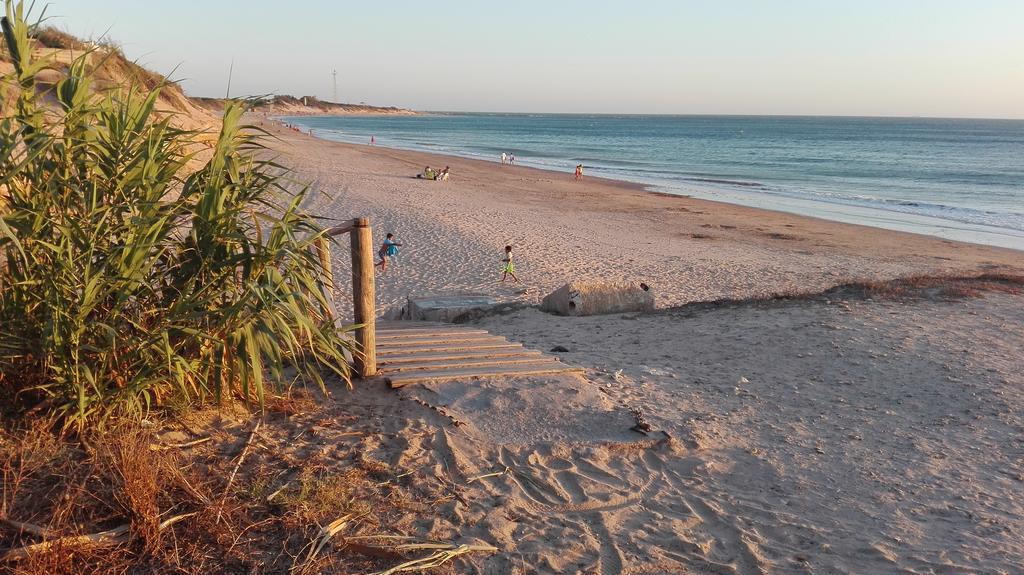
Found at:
<point>504,158</point>
<point>579,171</point>
<point>510,268</point>
<point>372,140</point>
<point>388,251</point>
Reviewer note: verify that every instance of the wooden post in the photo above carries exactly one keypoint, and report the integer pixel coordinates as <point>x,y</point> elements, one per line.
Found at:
<point>322,248</point>
<point>363,297</point>
<point>323,251</point>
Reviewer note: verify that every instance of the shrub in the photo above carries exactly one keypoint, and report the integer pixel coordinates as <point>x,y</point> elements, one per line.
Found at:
<point>125,283</point>
<point>51,37</point>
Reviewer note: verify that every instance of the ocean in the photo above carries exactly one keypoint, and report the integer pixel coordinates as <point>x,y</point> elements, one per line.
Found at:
<point>955,178</point>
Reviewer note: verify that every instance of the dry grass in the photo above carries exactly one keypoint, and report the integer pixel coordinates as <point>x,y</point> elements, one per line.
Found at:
<point>138,475</point>
<point>923,287</point>
<point>72,488</point>
<point>781,236</point>
<point>932,287</point>
<point>305,469</point>
<point>323,493</point>
<point>50,37</point>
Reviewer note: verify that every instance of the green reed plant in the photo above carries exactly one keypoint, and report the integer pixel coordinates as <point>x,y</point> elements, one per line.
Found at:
<point>125,283</point>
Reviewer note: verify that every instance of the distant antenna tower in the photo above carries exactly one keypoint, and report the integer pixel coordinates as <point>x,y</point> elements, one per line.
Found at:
<point>335,74</point>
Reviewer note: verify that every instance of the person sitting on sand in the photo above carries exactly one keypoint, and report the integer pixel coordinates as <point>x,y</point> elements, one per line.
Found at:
<point>443,176</point>
<point>388,251</point>
<point>510,268</point>
<point>428,173</point>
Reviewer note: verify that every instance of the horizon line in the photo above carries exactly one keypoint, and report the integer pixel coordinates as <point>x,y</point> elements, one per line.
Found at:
<point>728,115</point>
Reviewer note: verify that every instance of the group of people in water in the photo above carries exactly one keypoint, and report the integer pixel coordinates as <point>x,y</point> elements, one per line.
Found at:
<point>432,174</point>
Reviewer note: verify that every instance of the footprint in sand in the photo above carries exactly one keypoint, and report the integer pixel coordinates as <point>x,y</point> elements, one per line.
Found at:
<point>558,485</point>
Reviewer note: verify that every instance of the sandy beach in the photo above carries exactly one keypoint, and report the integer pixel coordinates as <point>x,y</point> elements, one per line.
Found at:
<point>807,395</point>
<point>846,432</point>
<point>687,249</point>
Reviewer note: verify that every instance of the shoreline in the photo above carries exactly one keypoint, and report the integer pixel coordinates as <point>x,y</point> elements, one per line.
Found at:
<point>688,249</point>
<point>836,211</point>
<point>711,194</point>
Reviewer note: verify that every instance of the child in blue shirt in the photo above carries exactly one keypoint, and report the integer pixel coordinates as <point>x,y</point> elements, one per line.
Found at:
<point>388,251</point>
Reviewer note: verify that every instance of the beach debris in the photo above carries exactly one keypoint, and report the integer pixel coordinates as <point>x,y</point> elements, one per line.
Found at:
<point>560,349</point>
<point>486,475</point>
<point>279,491</point>
<point>116,536</point>
<point>325,535</point>
<point>743,380</point>
<point>395,478</point>
<point>20,526</point>
<point>657,372</point>
<point>155,447</point>
<point>641,424</point>
<point>617,376</point>
<point>441,553</point>
<point>578,298</point>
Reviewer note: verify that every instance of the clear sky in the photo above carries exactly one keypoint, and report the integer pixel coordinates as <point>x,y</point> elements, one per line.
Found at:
<point>817,57</point>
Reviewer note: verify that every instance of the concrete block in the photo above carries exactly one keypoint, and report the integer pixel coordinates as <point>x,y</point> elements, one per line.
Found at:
<point>596,298</point>
<point>446,308</point>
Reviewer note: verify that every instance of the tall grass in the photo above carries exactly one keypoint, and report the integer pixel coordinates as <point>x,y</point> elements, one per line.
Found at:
<point>125,283</point>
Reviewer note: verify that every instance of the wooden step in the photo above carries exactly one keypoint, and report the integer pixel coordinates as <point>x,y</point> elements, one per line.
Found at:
<point>408,322</point>
<point>412,325</point>
<point>405,350</point>
<point>417,342</point>
<point>406,378</point>
<point>415,331</point>
<point>465,362</point>
<point>425,333</point>
<point>468,354</point>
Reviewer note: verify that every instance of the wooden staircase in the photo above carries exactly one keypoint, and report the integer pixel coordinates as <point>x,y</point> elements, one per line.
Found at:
<point>414,351</point>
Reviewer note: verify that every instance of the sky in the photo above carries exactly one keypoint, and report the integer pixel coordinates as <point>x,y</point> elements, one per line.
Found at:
<point>935,58</point>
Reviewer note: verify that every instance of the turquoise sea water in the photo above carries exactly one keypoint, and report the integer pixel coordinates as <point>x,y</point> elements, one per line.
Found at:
<point>959,179</point>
